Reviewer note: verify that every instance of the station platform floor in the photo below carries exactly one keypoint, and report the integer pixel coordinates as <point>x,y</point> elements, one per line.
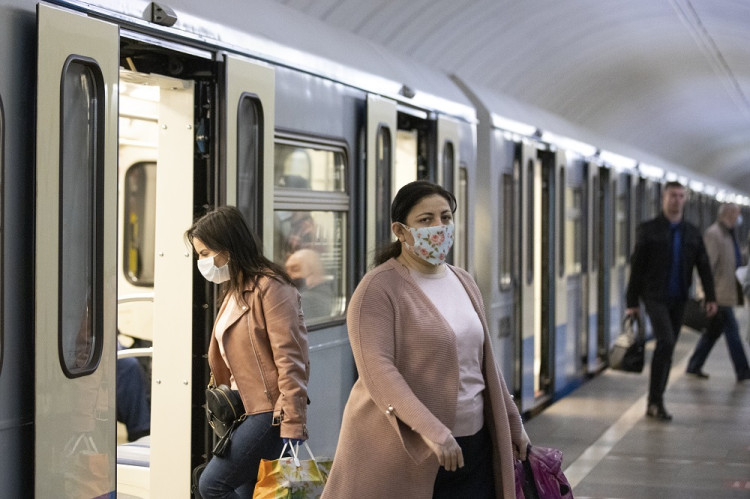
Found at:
<point>612,450</point>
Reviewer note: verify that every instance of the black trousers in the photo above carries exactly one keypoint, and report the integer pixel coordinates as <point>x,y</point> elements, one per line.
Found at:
<point>476,479</point>
<point>666,322</point>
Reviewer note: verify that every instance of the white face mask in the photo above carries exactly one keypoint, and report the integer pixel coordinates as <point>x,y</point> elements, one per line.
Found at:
<point>431,244</point>
<point>211,272</point>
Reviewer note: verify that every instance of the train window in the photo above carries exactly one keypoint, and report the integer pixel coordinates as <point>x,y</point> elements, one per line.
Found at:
<point>596,228</point>
<point>138,246</point>
<point>530,200</point>
<point>249,158</point>
<point>311,226</point>
<point>623,220</point>
<point>383,155</point>
<point>448,166</point>
<point>310,168</point>
<point>81,220</point>
<point>574,229</point>
<point>506,208</point>
<point>561,191</point>
<point>462,222</point>
<point>2,228</point>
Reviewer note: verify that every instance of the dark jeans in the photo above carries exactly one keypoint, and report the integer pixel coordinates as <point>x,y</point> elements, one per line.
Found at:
<point>666,321</point>
<point>723,322</point>
<point>235,474</point>
<point>476,479</point>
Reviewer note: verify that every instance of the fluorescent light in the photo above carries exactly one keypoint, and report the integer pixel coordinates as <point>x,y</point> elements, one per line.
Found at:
<point>617,160</point>
<point>577,146</point>
<point>513,125</point>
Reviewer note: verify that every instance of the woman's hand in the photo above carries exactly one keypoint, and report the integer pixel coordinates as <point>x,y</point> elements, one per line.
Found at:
<point>520,453</point>
<point>449,454</point>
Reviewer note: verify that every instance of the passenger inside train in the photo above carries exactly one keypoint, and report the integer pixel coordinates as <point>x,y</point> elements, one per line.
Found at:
<point>317,289</point>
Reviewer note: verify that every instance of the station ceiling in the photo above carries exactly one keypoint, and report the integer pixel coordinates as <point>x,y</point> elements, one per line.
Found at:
<point>669,79</point>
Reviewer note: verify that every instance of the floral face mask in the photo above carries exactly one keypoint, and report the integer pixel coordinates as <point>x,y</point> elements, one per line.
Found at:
<point>431,244</point>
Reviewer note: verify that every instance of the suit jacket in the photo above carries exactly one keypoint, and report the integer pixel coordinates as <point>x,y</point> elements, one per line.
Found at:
<point>266,347</point>
<point>408,386</point>
<point>652,257</point>
<point>720,248</point>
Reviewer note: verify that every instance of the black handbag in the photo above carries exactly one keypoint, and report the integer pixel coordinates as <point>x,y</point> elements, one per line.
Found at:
<point>628,351</point>
<point>695,315</point>
<point>224,412</point>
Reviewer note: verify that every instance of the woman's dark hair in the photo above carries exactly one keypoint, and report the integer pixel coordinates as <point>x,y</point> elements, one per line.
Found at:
<point>406,198</point>
<point>224,230</point>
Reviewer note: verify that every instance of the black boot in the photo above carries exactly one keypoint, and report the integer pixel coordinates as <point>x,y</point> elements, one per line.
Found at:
<point>657,411</point>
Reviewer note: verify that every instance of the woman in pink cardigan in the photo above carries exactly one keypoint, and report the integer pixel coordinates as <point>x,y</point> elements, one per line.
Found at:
<point>430,415</point>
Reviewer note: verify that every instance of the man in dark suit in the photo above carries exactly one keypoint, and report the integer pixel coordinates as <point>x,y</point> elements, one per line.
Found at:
<point>661,272</point>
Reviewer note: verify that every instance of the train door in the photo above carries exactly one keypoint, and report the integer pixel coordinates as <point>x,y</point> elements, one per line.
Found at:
<point>249,124</point>
<point>448,142</point>
<point>621,211</point>
<point>380,153</point>
<point>591,268</point>
<point>562,345</point>
<point>75,288</point>
<point>534,375</point>
<point>606,234</point>
<point>575,261</point>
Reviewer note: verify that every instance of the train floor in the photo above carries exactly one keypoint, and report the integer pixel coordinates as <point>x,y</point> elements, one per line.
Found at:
<point>612,450</point>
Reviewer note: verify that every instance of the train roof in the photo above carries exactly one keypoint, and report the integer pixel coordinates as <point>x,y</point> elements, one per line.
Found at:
<point>527,120</point>
<point>275,33</point>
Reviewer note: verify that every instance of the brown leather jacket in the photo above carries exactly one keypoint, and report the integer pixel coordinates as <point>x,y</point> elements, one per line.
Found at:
<point>266,346</point>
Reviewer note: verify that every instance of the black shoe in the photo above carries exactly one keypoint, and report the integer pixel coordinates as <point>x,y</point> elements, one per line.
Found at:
<point>697,374</point>
<point>657,411</point>
<point>744,378</point>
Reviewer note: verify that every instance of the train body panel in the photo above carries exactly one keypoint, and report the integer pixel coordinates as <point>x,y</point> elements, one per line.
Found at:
<point>310,132</point>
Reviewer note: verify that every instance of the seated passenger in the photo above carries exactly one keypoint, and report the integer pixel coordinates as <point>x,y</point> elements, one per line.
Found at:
<point>306,270</point>
<point>132,404</point>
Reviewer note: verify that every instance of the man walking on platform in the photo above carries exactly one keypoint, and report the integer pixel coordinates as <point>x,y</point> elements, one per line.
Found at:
<point>661,271</point>
<point>724,257</point>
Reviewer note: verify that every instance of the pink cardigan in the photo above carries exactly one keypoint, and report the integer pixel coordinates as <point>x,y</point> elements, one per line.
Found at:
<point>408,384</point>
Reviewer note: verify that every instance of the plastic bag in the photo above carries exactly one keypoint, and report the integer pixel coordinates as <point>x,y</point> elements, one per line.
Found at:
<point>541,476</point>
<point>291,477</point>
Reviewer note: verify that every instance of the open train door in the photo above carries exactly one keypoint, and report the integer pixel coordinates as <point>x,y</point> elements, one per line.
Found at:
<point>75,269</point>
<point>529,336</point>
<point>381,141</point>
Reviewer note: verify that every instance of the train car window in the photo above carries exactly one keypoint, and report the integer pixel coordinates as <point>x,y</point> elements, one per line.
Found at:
<point>383,168</point>
<point>249,157</point>
<point>506,208</point>
<point>561,191</point>
<point>309,168</point>
<point>574,229</point>
<point>81,220</point>
<point>311,226</point>
<point>596,228</point>
<point>530,222</point>
<point>138,245</point>
<point>2,228</point>
<point>462,222</point>
<point>623,220</point>
<point>448,166</point>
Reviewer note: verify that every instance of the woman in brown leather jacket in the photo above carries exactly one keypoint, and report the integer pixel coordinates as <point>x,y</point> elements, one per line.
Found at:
<point>258,347</point>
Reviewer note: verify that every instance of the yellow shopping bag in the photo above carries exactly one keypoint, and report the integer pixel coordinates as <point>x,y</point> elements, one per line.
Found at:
<point>291,477</point>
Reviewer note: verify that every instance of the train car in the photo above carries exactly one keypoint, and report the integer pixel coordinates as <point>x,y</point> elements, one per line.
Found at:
<point>121,122</point>
<point>146,117</point>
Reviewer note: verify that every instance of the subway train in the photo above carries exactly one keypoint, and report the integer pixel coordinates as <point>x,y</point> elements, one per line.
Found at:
<point>121,122</point>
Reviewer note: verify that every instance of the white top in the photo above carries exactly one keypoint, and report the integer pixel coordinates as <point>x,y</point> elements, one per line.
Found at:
<point>220,328</point>
<point>449,296</point>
